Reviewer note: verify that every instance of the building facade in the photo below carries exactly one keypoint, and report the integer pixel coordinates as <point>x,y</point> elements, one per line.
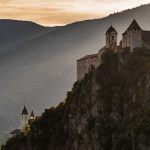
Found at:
<point>24,118</point>
<point>111,39</point>
<point>86,63</point>
<point>135,37</point>
<point>132,38</point>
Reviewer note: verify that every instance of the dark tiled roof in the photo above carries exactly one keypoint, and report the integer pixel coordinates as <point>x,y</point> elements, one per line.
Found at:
<point>87,57</point>
<point>32,114</point>
<point>16,132</point>
<point>125,33</point>
<point>102,49</point>
<point>111,29</point>
<point>134,26</point>
<point>146,35</point>
<point>24,111</point>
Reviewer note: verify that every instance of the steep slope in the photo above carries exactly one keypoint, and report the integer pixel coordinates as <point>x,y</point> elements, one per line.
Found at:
<point>39,71</point>
<point>108,109</point>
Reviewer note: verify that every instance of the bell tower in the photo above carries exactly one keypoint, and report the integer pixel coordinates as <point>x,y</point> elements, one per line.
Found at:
<point>24,118</point>
<point>111,39</point>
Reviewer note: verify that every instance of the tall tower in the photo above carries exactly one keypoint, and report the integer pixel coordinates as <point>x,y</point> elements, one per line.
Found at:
<point>134,35</point>
<point>24,118</point>
<point>111,39</point>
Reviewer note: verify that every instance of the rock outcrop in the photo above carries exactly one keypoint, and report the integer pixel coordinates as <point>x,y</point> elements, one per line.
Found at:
<point>108,110</point>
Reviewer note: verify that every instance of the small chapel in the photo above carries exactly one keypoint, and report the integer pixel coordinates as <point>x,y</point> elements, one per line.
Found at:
<point>26,118</point>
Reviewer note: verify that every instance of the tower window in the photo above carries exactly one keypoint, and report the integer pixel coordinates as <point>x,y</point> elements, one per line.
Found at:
<point>112,37</point>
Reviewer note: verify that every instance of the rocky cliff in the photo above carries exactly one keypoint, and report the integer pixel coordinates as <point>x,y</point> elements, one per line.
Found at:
<point>108,110</point>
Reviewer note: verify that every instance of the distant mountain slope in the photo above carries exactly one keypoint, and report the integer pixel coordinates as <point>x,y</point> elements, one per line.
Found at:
<point>13,31</point>
<point>39,71</point>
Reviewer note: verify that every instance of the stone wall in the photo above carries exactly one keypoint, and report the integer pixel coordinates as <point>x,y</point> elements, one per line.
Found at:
<point>84,66</point>
<point>136,39</point>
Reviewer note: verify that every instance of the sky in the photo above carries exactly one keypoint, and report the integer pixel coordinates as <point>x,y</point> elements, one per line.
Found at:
<point>61,12</point>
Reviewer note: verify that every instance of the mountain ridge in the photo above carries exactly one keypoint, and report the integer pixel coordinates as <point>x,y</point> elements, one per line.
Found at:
<point>14,31</point>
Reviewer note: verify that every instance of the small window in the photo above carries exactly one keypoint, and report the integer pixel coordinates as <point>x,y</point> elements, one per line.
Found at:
<point>112,37</point>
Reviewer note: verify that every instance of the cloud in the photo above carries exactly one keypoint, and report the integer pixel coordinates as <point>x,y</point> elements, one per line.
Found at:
<point>53,16</point>
<point>62,11</point>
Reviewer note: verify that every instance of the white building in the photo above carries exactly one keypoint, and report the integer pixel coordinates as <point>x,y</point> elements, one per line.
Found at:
<point>25,122</point>
<point>25,118</point>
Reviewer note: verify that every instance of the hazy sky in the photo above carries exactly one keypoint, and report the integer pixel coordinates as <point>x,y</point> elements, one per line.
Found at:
<point>58,12</point>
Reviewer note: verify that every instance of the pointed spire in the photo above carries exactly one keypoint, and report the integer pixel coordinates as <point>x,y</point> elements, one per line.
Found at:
<point>111,29</point>
<point>32,114</point>
<point>24,111</point>
<point>134,26</point>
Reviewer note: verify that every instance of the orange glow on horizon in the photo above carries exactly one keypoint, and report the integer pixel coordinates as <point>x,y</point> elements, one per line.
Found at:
<point>61,12</point>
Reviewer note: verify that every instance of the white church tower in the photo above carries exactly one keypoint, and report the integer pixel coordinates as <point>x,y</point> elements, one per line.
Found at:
<point>24,118</point>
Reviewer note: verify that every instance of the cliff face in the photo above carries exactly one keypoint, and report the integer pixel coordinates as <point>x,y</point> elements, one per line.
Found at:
<point>110,107</point>
<point>108,110</point>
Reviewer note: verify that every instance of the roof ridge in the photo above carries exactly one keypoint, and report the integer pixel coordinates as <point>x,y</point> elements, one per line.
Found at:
<point>88,56</point>
<point>134,26</point>
<point>111,29</point>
